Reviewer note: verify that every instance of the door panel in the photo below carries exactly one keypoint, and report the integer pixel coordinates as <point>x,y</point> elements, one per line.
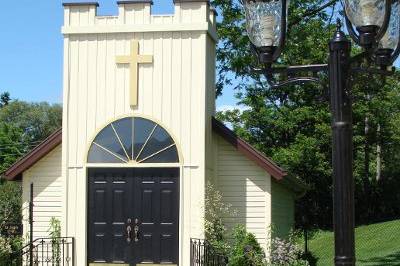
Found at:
<point>109,193</point>
<point>150,199</point>
<point>157,203</point>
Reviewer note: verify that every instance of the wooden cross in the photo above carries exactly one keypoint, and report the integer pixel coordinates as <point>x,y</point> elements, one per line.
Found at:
<point>134,59</point>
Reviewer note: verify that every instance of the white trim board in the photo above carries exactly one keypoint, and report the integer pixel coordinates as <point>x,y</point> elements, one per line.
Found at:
<point>100,29</point>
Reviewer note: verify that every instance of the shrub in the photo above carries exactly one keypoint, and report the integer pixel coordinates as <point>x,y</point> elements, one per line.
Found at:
<point>286,253</point>
<point>8,248</point>
<point>245,249</point>
<point>310,258</point>
<point>215,229</point>
<point>10,219</point>
<point>10,206</point>
<point>55,234</point>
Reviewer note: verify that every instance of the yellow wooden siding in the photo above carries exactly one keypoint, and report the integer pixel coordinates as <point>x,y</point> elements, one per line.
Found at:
<point>282,210</point>
<point>246,187</point>
<point>172,91</point>
<point>47,191</point>
<point>210,109</point>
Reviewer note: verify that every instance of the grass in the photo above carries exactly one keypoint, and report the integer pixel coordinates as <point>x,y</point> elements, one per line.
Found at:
<point>376,245</point>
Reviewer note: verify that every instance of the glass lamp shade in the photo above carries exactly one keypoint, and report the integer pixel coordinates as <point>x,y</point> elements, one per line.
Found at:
<point>365,12</point>
<point>263,18</point>
<point>391,38</point>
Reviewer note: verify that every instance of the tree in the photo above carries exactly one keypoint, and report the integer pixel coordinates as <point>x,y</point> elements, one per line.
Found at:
<point>36,120</point>
<point>22,127</point>
<point>12,145</point>
<point>292,124</point>
<point>4,99</point>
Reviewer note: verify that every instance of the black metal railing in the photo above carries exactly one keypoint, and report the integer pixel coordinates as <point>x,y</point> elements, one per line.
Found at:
<point>46,251</point>
<point>203,254</point>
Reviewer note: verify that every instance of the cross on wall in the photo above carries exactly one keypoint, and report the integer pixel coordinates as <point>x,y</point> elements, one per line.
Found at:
<point>134,60</point>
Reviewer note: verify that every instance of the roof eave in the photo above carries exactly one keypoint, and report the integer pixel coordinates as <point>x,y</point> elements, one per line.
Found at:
<point>15,171</point>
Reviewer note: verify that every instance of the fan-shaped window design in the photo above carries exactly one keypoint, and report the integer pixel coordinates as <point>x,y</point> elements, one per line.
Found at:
<point>133,139</point>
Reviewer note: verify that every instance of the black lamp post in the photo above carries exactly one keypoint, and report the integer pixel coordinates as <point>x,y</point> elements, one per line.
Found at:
<point>373,25</point>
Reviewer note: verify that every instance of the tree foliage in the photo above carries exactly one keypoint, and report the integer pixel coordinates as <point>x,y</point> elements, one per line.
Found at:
<point>4,99</point>
<point>10,208</point>
<point>292,124</point>
<point>22,127</point>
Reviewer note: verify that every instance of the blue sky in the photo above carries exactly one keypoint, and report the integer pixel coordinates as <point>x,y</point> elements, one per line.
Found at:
<point>31,48</point>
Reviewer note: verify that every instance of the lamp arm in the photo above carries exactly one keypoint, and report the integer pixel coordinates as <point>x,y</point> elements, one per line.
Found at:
<point>282,40</point>
<point>386,20</point>
<point>290,70</point>
<point>295,81</point>
<point>269,71</point>
<point>350,28</point>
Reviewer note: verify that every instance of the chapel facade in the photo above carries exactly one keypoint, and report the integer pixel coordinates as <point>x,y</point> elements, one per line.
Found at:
<point>126,175</point>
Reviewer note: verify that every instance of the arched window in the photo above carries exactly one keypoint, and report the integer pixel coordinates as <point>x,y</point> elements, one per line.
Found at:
<point>133,140</point>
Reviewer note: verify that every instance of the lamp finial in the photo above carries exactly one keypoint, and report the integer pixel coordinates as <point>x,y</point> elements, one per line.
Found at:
<point>338,24</point>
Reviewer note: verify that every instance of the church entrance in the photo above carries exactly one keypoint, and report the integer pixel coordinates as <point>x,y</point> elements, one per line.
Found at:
<point>133,212</point>
<point>133,216</point>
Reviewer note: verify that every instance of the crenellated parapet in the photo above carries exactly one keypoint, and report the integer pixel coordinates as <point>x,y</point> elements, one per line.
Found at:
<point>135,16</point>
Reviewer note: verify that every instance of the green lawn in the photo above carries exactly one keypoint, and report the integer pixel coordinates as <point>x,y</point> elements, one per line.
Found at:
<point>376,244</point>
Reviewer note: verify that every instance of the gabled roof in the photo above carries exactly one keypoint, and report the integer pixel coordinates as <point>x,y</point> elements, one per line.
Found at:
<point>279,174</point>
<point>249,151</point>
<point>16,170</point>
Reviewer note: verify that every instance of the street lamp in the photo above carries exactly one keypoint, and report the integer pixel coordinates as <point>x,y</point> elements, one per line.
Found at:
<point>373,25</point>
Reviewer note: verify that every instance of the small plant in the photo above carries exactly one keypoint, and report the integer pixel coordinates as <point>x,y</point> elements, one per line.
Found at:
<point>8,248</point>
<point>286,253</point>
<point>246,251</point>
<point>215,209</point>
<point>5,248</point>
<point>55,234</point>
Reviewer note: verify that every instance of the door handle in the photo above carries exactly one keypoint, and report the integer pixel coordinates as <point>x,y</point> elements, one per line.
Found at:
<point>129,231</point>
<point>136,230</point>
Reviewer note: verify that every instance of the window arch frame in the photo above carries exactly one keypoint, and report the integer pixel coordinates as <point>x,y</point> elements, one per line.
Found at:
<point>129,162</point>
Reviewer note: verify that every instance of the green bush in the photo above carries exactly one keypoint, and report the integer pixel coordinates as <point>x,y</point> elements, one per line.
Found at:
<point>10,206</point>
<point>215,229</point>
<point>8,248</point>
<point>286,252</point>
<point>245,251</point>
<point>10,218</point>
<point>55,234</point>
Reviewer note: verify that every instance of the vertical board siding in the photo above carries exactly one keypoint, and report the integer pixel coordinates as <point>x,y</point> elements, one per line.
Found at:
<point>282,210</point>
<point>244,186</point>
<point>210,110</point>
<point>176,90</point>
<point>171,92</point>
<point>46,176</point>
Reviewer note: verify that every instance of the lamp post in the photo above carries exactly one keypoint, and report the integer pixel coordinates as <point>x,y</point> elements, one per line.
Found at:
<point>374,26</point>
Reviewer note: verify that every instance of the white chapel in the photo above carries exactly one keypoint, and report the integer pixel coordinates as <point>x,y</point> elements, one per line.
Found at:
<point>126,175</point>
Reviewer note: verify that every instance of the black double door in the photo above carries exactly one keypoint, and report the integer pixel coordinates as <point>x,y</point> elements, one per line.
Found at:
<point>133,215</point>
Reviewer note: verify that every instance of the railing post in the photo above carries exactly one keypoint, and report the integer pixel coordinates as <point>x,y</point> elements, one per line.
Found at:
<point>202,253</point>
<point>31,227</point>
<point>191,252</point>
<point>73,251</point>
